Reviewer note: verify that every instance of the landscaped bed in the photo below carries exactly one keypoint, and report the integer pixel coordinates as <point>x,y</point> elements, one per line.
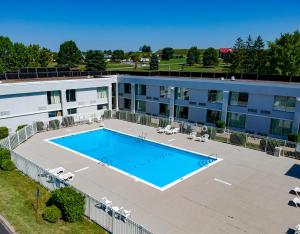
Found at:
<point>18,206</point>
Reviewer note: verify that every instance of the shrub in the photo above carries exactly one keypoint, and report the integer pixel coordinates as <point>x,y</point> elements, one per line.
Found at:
<point>220,124</point>
<point>270,148</point>
<point>20,127</point>
<point>4,154</point>
<point>52,214</point>
<point>39,126</point>
<point>70,202</point>
<point>294,137</point>
<point>3,132</point>
<point>54,124</point>
<point>7,165</point>
<point>212,133</point>
<point>68,121</point>
<point>237,138</point>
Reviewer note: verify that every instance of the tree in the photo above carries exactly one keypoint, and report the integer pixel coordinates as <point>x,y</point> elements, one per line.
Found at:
<point>69,55</point>
<point>210,57</point>
<point>146,49</point>
<point>20,55</point>
<point>118,55</point>
<point>33,55</point>
<point>260,56</point>
<point>154,63</point>
<point>193,56</point>
<point>285,54</point>
<point>238,56</point>
<point>135,58</point>
<point>45,57</point>
<point>6,54</point>
<point>95,61</point>
<point>167,53</point>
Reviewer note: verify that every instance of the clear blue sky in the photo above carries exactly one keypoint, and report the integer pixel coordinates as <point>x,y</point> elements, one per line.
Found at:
<point>97,24</point>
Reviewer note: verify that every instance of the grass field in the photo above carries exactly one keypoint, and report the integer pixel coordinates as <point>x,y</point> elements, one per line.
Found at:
<point>17,205</point>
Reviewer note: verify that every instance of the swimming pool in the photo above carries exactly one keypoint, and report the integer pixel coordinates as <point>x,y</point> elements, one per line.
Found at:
<point>155,164</point>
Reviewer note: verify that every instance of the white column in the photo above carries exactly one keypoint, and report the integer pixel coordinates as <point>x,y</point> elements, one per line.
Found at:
<point>133,98</point>
<point>110,97</point>
<point>117,96</point>
<point>296,122</point>
<point>172,103</point>
<point>225,105</point>
<point>64,102</point>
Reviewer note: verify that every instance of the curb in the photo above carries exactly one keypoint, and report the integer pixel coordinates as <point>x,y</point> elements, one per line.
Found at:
<point>10,229</point>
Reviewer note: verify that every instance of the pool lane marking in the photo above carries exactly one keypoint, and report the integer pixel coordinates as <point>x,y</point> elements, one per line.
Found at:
<point>171,140</point>
<point>222,181</point>
<point>82,169</point>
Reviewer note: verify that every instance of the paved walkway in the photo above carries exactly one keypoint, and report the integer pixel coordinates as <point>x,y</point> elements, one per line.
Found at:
<point>247,192</point>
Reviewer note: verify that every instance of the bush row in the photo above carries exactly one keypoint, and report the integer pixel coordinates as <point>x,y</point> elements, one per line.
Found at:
<point>5,160</point>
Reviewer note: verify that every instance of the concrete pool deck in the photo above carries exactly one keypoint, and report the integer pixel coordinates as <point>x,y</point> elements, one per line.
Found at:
<point>248,192</point>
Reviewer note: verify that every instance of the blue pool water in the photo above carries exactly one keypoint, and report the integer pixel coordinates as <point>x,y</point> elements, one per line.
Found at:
<point>154,163</point>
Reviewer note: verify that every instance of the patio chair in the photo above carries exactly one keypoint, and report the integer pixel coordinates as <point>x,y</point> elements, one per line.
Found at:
<point>296,190</point>
<point>125,213</point>
<point>297,229</point>
<point>296,201</point>
<point>90,120</point>
<point>106,202</point>
<point>163,130</point>
<point>172,131</point>
<point>192,135</point>
<point>67,177</point>
<point>56,171</point>
<point>205,138</point>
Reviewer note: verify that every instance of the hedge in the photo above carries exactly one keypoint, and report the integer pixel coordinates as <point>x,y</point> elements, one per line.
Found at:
<point>20,127</point>
<point>68,121</point>
<point>69,201</point>
<point>220,124</point>
<point>40,126</point>
<point>270,148</point>
<point>7,165</point>
<point>3,132</point>
<point>294,137</point>
<point>237,138</point>
<point>52,214</point>
<point>54,124</point>
<point>4,154</point>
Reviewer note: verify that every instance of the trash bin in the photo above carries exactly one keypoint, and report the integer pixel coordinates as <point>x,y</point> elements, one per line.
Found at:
<point>277,151</point>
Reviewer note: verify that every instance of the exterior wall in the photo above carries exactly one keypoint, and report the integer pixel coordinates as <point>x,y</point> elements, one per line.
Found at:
<point>259,110</point>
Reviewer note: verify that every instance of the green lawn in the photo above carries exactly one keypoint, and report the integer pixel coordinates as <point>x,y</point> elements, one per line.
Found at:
<point>17,205</point>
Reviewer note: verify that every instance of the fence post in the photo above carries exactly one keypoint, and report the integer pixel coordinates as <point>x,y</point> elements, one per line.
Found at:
<point>18,137</point>
<point>9,144</point>
<point>228,136</point>
<point>245,145</point>
<point>266,144</point>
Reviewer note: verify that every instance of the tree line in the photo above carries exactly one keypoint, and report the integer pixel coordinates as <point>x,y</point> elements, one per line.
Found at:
<point>281,56</point>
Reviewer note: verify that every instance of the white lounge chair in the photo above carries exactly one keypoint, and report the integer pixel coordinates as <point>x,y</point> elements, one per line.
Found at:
<point>90,120</point>
<point>56,171</point>
<point>297,229</point>
<point>172,131</point>
<point>296,191</point>
<point>163,130</point>
<point>67,177</point>
<point>192,135</point>
<point>98,119</point>
<point>125,213</point>
<point>296,201</point>
<point>205,138</point>
<point>106,202</point>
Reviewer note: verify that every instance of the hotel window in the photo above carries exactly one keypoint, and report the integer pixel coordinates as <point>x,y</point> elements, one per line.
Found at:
<point>163,90</point>
<point>213,116</point>
<point>164,109</point>
<point>127,88</point>
<point>53,97</point>
<point>102,92</point>
<point>140,106</point>
<point>182,94</point>
<point>284,103</point>
<point>52,114</point>
<point>238,99</point>
<point>140,90</point>
<point>215,96</point>
<point>127,103</point>
<point>181,112</point>
<point>72,111</point>
<point>280,127</point>
<point>102,107</point>
<point>236,120</point>
<point>71,95</point>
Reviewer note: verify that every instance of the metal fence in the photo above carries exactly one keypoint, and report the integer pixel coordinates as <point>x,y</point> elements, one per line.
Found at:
<point>266,144</point>
<point>95,210</point>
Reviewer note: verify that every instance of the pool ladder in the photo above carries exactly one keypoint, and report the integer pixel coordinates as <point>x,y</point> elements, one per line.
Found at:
<point>213,156</point>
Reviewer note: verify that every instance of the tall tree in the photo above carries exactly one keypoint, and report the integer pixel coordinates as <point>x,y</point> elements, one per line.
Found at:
<point>118,55</point>
<point>260,56</point>
<point>193,56</point>
<point>210,57</point>
<point>248,60</point>
<point>145,49</point>
<point>154,63</point>
<point>69,55</point>
<point>6,54</point>
<point>136,59</point>
<point>167,53</point>
<point>94,60</point>
<point>238,56</point>
<point>285,54</point>
<point>33,55</point>
<point>20,55</point>
<point>45,57</point>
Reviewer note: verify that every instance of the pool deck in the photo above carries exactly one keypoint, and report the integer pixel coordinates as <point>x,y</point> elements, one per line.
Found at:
<point>247,192</point>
